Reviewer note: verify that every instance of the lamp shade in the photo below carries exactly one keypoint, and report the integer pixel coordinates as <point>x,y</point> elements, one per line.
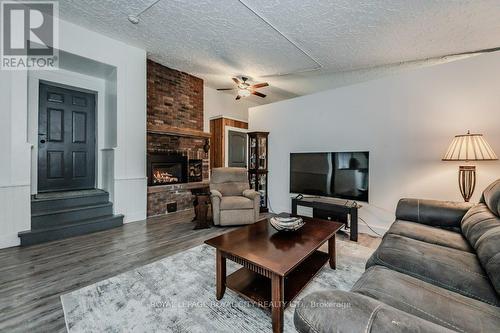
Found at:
<point>244,92</point>
<point>469,147</point>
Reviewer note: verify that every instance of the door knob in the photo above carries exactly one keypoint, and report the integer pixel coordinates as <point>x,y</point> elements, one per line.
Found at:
<point>42,137</point>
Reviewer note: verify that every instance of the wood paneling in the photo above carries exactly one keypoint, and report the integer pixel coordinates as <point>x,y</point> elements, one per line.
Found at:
<point>218,132</point>
<point>235,123</point>
<point>217,143</point>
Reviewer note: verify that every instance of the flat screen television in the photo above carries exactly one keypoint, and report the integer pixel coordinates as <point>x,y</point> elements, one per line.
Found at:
<point>334,174</point>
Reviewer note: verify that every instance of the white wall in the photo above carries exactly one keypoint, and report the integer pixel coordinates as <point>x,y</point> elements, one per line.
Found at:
<point>15,158</point>
<point>129,145</point>
<point>216,103</point>
<point>125,156</point>
<point>406,121</point>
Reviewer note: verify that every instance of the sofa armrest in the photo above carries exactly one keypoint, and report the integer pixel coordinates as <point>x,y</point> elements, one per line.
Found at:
<point>214,194</point>
<point>216,198</point>
<point>255,197</point>
<point>436,213</point>
<point>251,194</point>
<point>346,312</point>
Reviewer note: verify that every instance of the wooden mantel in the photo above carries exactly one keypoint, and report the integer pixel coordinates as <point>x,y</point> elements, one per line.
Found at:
<point>176,131</point>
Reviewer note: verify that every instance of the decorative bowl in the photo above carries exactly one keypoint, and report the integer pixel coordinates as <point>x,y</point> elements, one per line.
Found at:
<point>286,223</point>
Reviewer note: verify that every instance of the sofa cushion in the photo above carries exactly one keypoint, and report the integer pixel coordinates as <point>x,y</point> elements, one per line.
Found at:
<point>230,189</point>
<point>427,301</point>
<point>482,228</point>
<point>339,311</point>
<point>491,197</point>
<point>432,212</point>
<point>478,221</point>
<point>235,202</point>
<point>452,269</point>
<point>430,234</point>
<point>229,181</point>
<point>237,217</point>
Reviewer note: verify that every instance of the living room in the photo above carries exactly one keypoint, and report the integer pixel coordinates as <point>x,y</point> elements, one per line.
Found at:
<point>250,166</point>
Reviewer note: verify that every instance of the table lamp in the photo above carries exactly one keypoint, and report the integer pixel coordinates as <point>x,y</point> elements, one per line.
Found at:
<point>468,147</point>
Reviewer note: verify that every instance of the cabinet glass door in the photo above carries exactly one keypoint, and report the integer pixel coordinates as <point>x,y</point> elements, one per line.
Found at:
<point>257,165</point>
<point>262,153</point>
<point>253,153</point>
<point>262,189</point>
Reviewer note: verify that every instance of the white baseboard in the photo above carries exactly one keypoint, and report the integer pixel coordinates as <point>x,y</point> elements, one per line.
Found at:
<point>134,217</point>
<point>362,228</point>
<point>9,240</point>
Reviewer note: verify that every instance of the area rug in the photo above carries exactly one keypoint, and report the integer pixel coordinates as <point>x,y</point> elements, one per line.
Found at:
<point>177,294</point>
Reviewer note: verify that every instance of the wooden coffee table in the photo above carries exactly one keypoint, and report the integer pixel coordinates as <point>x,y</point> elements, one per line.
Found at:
<point>276,265</point>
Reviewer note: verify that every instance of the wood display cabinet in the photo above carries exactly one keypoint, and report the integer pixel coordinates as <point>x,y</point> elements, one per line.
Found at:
<point>257,165</point>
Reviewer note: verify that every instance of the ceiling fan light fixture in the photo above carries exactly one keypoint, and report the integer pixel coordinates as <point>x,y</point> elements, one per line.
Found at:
<point>246,89</point>
<point>244,92</point>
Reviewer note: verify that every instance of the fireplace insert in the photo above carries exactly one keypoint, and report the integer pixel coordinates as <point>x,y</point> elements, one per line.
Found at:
<point>165,169</point>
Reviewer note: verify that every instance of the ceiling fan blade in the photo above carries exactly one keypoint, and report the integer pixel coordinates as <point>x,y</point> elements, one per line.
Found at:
<point>256,93</point>
<point>238,97</point>
<point>221,89</point>
<point>236,80</point>
<point>259,85</point>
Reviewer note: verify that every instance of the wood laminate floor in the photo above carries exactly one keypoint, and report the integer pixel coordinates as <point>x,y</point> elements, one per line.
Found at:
<point>33,278</point>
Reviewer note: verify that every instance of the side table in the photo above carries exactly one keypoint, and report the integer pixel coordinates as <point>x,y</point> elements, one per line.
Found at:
<point>201,207</point>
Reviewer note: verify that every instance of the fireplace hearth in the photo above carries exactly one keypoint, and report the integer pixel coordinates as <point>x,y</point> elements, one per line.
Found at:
<point>167,169</point>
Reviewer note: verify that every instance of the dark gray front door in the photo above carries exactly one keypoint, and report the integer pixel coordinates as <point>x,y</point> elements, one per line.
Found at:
<point>66,139</point>
<point>237,149</point>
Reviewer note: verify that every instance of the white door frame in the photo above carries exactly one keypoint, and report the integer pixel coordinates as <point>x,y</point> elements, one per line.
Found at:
<point>71,79</point>
<point>226,142</point>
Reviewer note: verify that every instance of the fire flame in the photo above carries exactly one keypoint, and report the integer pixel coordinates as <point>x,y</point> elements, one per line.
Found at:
<point>163,177</point>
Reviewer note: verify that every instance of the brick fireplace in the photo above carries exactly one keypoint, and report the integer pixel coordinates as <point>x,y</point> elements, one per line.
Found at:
<point>176,143</point>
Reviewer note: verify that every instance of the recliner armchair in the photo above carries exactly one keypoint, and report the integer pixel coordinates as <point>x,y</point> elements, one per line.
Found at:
<point>233,202</point>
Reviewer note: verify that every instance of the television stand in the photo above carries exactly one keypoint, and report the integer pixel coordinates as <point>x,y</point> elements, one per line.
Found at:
<point>344,211</point>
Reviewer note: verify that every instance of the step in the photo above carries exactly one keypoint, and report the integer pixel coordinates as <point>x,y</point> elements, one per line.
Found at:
<point>46,202</point>
<point>83,227</point>
<point>68,216</point>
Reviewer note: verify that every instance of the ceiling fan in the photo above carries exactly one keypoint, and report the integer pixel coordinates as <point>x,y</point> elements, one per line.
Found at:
<point>245,89</point>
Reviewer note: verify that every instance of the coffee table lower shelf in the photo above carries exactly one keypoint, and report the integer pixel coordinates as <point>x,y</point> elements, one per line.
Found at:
<point>257,288</point>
